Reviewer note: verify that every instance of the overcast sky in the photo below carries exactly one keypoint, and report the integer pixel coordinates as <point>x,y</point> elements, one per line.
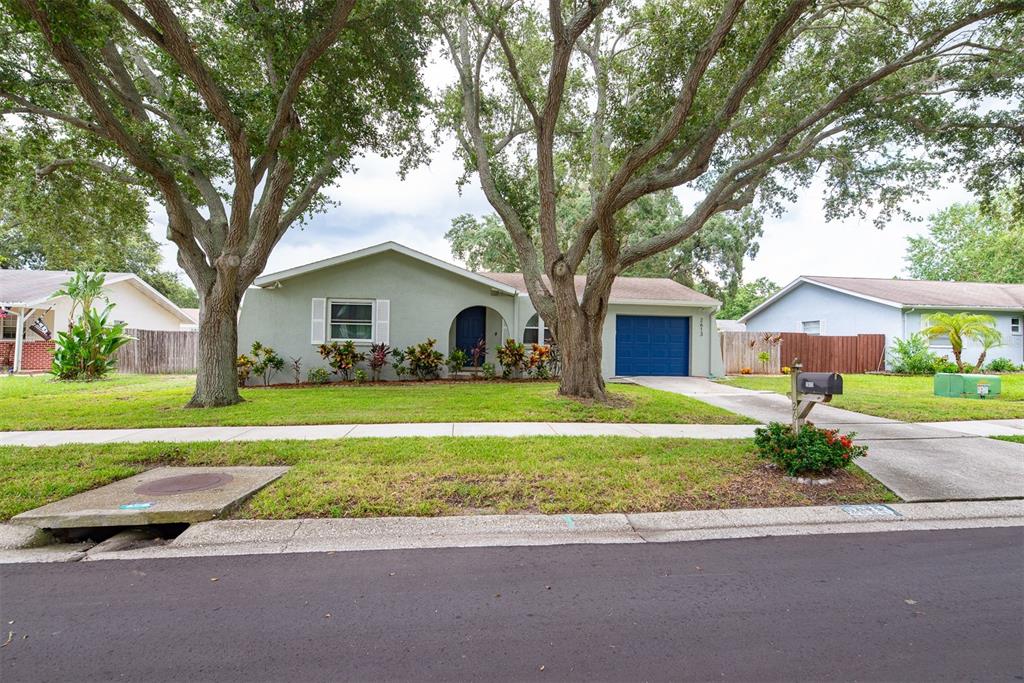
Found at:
<point>376,206</point>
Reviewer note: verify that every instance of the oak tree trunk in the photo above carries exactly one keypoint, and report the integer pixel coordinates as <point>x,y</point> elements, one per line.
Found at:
<point>216,376</point>
<point>578,334</point>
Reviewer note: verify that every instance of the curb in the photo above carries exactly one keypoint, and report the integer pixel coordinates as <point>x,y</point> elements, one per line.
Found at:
<point>259,537</point>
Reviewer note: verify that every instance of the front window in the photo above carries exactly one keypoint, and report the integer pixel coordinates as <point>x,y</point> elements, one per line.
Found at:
<point>535,329</point>
<point>812,327</point>
<point>351,320</point>
<point>9,325</point>
<point>1015,326</point>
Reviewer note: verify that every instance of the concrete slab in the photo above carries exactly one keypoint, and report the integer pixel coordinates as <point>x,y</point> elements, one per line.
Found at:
<point>401,429</point>
<point>297,432</point>
<point>64,552</point>
<point>585,429</point>
<point>120,504</point>
<point>16,536</point>
<point>980,427</point>
<point>64,436</point>
<point>181,434</point>
<point>696,431</point>
<point>947,469</point>
<point>503,429</point>
<point>892,430</point>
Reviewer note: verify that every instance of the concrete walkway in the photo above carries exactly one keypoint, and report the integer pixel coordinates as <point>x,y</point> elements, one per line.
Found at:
<point>259,537</point>
<point>917,461</point>
<point>315,432</point>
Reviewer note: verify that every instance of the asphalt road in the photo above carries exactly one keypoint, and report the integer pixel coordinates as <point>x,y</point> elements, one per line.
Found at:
<point>888,606</point>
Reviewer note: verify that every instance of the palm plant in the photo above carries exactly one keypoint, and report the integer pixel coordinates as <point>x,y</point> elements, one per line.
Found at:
<point>83,289</point>
<point>989,338</point>
<point>960,327</point>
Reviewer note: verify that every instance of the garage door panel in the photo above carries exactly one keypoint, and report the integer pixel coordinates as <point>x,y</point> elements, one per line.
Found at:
<point>652,345</point>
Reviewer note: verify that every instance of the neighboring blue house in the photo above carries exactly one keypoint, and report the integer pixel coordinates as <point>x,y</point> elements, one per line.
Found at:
<point>895,308</point>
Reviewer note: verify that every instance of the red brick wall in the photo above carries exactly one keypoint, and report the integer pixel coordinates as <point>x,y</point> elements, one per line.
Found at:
<point>36,356</point>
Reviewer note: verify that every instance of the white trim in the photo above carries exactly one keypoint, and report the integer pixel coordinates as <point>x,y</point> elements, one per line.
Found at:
<point>19,340</point>
<point>372,303</point>
<point>272,279</point>
<point>1020,325</point>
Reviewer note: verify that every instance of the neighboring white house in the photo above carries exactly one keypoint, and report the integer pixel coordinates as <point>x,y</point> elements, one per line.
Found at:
<point>393,294</point>
<point>31,313</point>
<point>895,308</point>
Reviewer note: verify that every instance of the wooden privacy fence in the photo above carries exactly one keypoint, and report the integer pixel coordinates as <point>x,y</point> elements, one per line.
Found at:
<point>859,353</point>
<point>159,351</point>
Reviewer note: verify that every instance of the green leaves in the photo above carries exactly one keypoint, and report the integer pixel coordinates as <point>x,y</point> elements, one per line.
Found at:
<point>86,351</point>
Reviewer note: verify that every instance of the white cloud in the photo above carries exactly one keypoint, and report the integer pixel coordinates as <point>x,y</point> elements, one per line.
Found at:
<point>375,205</point>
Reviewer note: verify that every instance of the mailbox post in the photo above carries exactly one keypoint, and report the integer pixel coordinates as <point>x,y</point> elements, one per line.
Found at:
<point>809,388</point>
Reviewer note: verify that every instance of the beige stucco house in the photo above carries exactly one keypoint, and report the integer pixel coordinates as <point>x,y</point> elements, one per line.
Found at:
<point>393,294</point>
<point>32,313</point>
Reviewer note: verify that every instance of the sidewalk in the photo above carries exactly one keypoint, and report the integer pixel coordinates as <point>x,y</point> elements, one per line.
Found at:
<point>876,430</point>
<point>259,537</point>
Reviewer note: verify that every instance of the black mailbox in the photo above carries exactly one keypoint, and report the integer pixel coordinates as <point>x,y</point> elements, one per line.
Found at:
<point>828,383</point>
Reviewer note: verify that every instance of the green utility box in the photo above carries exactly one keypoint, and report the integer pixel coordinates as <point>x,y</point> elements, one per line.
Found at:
<point>967,386</point>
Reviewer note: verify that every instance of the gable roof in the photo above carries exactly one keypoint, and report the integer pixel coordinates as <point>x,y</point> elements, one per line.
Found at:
<point>994,296</point>
<point>272,279</point>
<point>28,288</point>
<point>630,289</point>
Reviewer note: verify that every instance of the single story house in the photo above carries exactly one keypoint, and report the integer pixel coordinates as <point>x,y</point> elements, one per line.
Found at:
<point>31,312</point>
<point>393,294</point>
<point>895,308</point>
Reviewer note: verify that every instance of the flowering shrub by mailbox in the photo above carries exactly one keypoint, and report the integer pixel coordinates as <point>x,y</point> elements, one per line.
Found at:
<point>811,451</point>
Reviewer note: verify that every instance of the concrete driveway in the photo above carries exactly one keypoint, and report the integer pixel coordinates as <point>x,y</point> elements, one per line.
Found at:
<point>917,462</point>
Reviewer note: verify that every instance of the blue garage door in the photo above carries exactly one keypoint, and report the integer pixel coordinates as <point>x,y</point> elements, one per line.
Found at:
<point>652,345</point>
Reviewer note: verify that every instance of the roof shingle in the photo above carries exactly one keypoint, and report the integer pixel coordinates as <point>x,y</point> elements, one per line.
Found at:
<point>931,292</point>
<point>625,288</point>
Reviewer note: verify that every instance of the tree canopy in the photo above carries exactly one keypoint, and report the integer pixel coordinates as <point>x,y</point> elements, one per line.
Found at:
<point>747,297</point>
<point>971,243</point>
<point>234,114</point>
<point>737,103</point>
<point>76,220</point>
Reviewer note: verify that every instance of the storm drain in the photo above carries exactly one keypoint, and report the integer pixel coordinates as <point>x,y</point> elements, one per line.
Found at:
<point>185,483</point>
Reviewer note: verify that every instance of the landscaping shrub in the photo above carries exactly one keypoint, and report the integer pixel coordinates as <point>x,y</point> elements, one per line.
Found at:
<point>478,353</point>
<point>243,368</point>
<point>318,376</point>
<point>398,363</point>
<point>812,451</point>
<point>425,362</point>
<point>911,356</point>
<point>86,350</point>
<point>457,359</point>
<point>488,371</point>
<point>944,364</point>
<point>360,376</point>
<point>1001,365</point>
<point>296,365</point>
<point>265,362</point>
<point>746,371</point>
<point>342,357</point>
<point>512,356</point>
<point>378,358</point>
<point>539,363</point>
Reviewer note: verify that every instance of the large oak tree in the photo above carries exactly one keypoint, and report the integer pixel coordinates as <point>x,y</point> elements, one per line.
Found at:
<point>233,113</point>
<point>739,103</point>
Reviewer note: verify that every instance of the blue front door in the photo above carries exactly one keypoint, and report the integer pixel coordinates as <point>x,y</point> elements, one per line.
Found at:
<point>652,345</point>
<point>470,327</point>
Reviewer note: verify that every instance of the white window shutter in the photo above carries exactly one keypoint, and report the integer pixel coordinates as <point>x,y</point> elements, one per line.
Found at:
<point>382,333</point>
<point>318,321</point>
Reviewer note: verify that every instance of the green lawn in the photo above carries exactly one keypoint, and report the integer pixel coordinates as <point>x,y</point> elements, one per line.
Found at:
<point>1014,439</point>
<point>127,401</point>
<point>907,398</point>
<point>443,476</point>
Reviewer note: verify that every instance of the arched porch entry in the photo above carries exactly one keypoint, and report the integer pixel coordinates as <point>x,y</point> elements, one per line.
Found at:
<point>475,323</point>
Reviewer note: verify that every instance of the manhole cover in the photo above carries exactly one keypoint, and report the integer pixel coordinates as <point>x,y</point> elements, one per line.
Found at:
<point>185,483</point>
